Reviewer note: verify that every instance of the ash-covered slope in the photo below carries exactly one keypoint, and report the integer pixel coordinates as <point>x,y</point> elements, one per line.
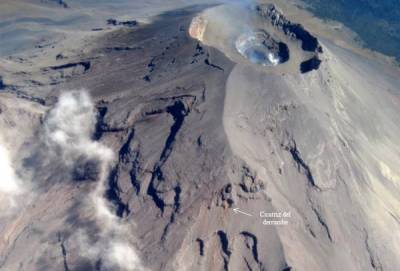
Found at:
<point>140,153</point>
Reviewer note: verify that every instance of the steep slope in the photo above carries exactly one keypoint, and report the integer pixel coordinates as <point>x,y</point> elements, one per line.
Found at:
<point>327,154</point>
<point>137,153</point>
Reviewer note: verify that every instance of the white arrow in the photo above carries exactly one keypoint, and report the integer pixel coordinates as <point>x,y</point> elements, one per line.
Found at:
<point>236,210</point>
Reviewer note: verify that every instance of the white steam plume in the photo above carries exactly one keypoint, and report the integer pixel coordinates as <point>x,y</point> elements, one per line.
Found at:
<point>10,185</point>
<point>69,127</point>
<point>8,179</point>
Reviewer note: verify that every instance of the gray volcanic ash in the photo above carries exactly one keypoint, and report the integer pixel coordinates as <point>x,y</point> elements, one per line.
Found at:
<point>213,137</point>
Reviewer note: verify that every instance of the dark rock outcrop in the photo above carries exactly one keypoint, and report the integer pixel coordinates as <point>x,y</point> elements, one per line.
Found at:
<point>85,64</point>
<point>225,250</point>
<point>85,170</point>
<point>309,65</point>
<point>2,85</point>
<point>129,23</point>
<point>296,31</point>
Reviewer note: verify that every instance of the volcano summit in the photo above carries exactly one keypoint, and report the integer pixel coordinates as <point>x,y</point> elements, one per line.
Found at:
<point>194,135</point>
<point>261,49</point>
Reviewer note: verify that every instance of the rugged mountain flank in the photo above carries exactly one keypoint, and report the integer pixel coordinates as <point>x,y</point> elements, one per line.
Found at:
<point>162,147</point>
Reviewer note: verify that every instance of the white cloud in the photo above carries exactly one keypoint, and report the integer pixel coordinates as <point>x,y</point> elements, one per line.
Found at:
<point>70,126</point>
<point>124,257</point>
<point>8,179</point>
<point>68,130</point>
